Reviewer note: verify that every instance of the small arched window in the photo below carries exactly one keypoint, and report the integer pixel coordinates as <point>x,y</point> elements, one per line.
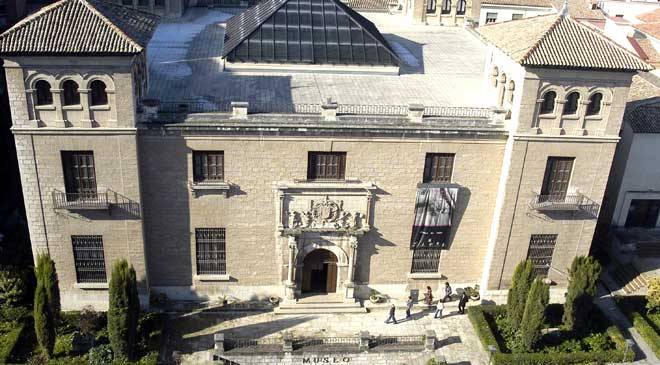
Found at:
<point>98,93</point>
<point>572,101</point>
<point>430,6</point>
<point>494,75</point>
<point>548,103</point>
<point>460,7</point>
<point>44,96</point>
<point>70,92</point>
<point>446,7</point>
<point>512,88</point>
<point>595,102</point>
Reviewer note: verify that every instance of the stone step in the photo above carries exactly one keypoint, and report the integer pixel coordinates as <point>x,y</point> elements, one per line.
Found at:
<point>322,310</point>
<point>301,305</point>
<point>629,278</point>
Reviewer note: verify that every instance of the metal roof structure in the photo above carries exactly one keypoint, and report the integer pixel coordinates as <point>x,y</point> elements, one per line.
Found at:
<point>324,32</point>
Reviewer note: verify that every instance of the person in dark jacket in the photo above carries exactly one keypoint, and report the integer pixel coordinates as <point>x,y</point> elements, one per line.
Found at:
<point>462,302</point>
<point>391,317</point>
<point>428,296</point>
<point>409,305</point>
<point>447,292</point>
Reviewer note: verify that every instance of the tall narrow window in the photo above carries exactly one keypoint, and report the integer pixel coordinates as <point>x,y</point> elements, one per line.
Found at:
<point>595,101</point>
<point>44,96</point>
<point>425,260</point>
<point>438,167</point>
<point>557,178</point>
<point>430,6</point>
<point>446,7</point>
<point>548,103</point>
<point>511,89</point>
<point>89,259</point>
<point>208,166</point>
<point>572,102</point>
<point>99,95</point>
<point>541,248</point>
<point>211,251</point>
<point>460,7</point>
<point>70,93</point>
<point>326,165</point>
<point>79,174</point>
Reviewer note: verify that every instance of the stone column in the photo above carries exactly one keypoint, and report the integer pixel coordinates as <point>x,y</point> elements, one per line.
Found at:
<point>290,289</point>
<point>350,284</point>
<point>86,103</point>
<point>59,113</point>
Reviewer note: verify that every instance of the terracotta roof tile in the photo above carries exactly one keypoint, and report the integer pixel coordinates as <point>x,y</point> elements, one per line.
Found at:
<point>86,27</point>
<point>650,17</point>
<point>556,41</point>
<point>652,29</point>
<point>580,9</point>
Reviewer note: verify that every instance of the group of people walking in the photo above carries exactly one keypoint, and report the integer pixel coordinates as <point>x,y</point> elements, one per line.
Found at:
<point>428,300</point>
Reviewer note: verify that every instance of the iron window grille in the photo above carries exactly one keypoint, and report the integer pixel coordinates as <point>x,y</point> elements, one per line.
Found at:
<point>425,260</point>
<point>79,175</point>
<point>326,166</point>
<point>89,259</point>
<point>211,251</point>
<point>438,167</point>
<point>541,248</point>
<point>208,166</point>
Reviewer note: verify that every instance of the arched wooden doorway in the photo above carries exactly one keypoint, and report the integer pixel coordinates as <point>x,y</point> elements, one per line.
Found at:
<point>319,272</point>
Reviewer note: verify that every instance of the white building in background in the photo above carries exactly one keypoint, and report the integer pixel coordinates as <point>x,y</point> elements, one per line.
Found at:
<point>628,9</point>
<point>497,11</point>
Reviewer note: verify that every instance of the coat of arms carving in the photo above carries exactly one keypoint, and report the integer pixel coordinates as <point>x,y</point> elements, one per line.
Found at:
<point>326,213</point>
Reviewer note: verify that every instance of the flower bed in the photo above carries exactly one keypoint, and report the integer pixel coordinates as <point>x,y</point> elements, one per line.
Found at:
<point>605,343</point>
<point>647,324</point>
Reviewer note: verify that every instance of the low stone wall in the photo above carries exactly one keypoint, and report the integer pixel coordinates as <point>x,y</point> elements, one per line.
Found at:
<point>382,358</point>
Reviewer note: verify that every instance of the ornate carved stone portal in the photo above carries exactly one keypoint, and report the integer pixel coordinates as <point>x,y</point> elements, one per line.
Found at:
<point>321,215</point>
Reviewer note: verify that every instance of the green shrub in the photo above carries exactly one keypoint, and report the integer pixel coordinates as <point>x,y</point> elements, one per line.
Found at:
<point>583,273</point>
<point>44,324</point>
<point>517,296</point>
<point>534,316</point>
<point>100,355</point>
<point>13,286</point>
<point>47,275</point>
<point>632,308</point>
<point>476,315</point>
<point>13,314</point>
<point>653,295</point>
<point>63,345</point>
<point>90,321</point>
<point>152,359</point>
<point>123,311</point>
<point>9,338</point>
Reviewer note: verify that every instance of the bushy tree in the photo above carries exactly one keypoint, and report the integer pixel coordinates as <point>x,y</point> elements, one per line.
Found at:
<point>653,295</point>
<point>583,273</point>
<point>46,274</point>
<point>124,310</point>
<point>534,315</point>
<point>44,323</point>
<point>12,286</point>
<point>520,284</point>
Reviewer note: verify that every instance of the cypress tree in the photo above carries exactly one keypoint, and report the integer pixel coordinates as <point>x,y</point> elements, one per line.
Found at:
<point>123,310</point>
<point>46,272</point>
<point>534,315</point>
<point>583,273</point>
<point>517,296</point>
<point>44,324</point>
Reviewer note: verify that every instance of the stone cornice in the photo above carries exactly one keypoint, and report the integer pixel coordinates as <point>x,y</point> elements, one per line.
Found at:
<point>563,138</point>
<point>74,131</point>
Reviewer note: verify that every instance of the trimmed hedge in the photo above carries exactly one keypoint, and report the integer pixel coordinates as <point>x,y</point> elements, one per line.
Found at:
<point>630,306</point>
<point>8,342</point>
<point>477,316</point>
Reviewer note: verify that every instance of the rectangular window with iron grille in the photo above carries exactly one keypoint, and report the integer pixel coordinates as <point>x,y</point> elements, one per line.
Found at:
<point>425,260</point>
<point>79,174</point>
<point>541,248</point>
<point>208,166</point>
<point>211,253</point>
<point>89,259</point>
<point>326,165</point>
<point>438,167</point>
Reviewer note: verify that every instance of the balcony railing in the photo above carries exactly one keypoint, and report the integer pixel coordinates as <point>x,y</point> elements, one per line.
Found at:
<point>573,202</point>
<point>76,201</point>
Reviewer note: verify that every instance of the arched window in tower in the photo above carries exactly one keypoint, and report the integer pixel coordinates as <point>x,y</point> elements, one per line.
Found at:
<point>70,93</point>
<point>99,95</point>
<point>572,102</point>
<point>595,102</point>
<point>430,6</point>
<point>512,88</point>
<point>44,96</point>
<point>548,103</point>
<point>460,7</point>
<point>446,7</point>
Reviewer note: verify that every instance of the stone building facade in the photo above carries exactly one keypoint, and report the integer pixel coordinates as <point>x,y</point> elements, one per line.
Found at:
<point>224,192</point>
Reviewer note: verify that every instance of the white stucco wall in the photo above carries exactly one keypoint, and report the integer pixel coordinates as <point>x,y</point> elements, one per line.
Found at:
<point>629,9</point>
<point>505,13</point>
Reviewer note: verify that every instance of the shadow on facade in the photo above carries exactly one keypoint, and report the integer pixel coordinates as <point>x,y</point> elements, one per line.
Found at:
<point>462,202</point>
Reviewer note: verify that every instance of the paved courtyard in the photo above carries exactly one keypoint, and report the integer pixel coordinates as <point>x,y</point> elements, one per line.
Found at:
<point>193,333</point>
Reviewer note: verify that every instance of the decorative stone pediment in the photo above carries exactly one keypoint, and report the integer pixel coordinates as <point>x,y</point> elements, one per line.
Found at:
<point>315,206</point>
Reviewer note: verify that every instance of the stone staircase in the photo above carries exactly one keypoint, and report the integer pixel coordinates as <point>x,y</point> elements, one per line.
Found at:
<point>628,278</point>
<point>301,307</point>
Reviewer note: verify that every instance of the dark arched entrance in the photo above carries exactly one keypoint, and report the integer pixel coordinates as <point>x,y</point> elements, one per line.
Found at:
<point>319,273</point>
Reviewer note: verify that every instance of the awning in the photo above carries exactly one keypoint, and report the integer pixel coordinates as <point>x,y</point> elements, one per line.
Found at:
<point>433,210</point>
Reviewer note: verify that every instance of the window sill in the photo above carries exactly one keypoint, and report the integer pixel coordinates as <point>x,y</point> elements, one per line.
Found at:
<point>210,186</point>
<point>212,277</point>
<point>45,107</point>
<point>547,116</point>
<point>72,107</point>
<point>99,107</point>
<point>91,286</point>
<point>570,117</point>
<point>426,275</point>
<point>593,117</point>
